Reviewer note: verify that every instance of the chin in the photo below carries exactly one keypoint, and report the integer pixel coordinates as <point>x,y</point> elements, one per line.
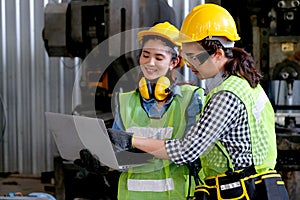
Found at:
<point>201,77</point>
<point>151,78</point>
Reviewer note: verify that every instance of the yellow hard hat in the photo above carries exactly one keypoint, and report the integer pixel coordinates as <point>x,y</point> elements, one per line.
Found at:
<point>165,30</point>
<point>208,20</point>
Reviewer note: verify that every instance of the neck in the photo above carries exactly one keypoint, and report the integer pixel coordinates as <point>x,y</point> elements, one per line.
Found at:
<point>160,104</point>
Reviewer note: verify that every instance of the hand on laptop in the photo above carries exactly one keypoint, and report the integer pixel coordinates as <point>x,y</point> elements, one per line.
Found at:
<point>121,139</point>
<point>90,163</point>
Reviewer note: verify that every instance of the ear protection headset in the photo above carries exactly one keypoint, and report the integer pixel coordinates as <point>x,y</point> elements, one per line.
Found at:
<point>159,90</point>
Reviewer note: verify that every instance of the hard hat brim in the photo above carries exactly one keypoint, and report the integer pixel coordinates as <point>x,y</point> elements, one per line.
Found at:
<point>141,34</point>
<point>184,39</point>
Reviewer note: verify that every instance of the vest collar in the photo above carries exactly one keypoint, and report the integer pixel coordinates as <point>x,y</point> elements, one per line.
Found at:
<point>214,82</point>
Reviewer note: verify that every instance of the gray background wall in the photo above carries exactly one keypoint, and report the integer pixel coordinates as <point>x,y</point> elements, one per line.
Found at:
<point>31,83</point>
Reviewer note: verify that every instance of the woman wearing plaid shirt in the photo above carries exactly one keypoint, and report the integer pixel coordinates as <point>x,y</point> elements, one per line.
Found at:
<point>236,130</point>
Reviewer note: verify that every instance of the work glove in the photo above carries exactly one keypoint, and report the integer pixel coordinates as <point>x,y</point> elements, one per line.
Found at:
<point>90,163</point>
<point>121,139</point>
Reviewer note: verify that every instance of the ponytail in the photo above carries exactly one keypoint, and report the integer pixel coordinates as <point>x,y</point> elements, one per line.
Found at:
<point>241,64</point>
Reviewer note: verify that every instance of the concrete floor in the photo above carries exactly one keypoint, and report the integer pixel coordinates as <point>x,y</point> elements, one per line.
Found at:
<point>22,184</point>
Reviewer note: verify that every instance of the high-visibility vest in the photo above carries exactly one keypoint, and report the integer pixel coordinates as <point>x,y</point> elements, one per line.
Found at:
<point>262,129</point>
<point>161,179</point>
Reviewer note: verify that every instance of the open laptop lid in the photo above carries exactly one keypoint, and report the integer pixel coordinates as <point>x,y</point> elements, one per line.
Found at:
<point>63,130</point>
<point>73,133</point>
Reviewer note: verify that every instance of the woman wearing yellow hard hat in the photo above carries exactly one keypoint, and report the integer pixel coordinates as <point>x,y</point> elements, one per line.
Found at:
<point>159,108</point>
<point>156,106</point>
<point>235,134</point>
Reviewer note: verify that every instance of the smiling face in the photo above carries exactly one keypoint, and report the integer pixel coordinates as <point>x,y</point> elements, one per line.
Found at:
<point>156,59</point>
<point>201,63</point>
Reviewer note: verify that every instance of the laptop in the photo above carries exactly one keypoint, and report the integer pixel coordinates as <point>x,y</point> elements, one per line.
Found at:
<point>72,133</point>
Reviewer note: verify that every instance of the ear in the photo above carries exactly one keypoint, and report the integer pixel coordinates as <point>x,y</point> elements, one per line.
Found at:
<point>220,54</point>
<point>220,58</point>
<point>174,63</point>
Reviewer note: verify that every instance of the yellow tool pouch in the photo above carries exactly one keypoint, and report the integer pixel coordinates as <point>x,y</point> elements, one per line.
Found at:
<point>263,186</point>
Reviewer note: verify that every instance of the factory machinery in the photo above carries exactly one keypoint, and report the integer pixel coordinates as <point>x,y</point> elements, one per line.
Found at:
<point>270,32</point>
<point>278,51</point>
<point>89,29</point>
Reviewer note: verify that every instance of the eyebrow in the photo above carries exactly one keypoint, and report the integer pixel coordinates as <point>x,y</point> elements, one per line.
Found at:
<point>156,54</point>
<point>189,54</point>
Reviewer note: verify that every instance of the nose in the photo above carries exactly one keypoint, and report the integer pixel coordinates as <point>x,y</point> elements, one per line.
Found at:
<point>188,64</point>
<point>150,61</point>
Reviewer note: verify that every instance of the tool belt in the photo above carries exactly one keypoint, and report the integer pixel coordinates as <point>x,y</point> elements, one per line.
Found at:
<point>243,185</point>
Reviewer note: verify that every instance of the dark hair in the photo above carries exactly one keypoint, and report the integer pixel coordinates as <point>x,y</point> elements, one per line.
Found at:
<point>172,46</point>
<point>240,63</point>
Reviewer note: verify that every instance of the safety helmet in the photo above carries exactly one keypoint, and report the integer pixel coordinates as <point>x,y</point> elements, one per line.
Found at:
<point>165,30</point>
<point>208,20</point>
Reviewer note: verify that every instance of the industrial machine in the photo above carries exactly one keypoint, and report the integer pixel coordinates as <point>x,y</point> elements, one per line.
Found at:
<point>276,47</point>
<point>75,28</point>
<point>79,28</point>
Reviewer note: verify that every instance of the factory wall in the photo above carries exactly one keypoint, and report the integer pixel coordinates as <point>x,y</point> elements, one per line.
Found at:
<point>32,83</point>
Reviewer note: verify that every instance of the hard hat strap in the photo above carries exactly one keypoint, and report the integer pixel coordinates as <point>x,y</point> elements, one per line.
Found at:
<point>224,41</point>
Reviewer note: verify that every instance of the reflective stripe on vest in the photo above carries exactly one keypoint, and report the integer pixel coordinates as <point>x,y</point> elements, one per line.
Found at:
<point>150,185</point>
<point>260,104</point>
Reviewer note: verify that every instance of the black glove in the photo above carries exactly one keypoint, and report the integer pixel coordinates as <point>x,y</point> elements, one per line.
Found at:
<point>121,139</point>
<point>90,163</point>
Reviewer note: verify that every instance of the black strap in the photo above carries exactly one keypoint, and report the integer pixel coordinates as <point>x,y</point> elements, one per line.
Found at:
<point>189,188</point>
<point>194,168</point>
<point>244,173</point>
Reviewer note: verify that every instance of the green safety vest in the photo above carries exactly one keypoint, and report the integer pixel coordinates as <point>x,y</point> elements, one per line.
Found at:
<point>161,179</point>
<point>262,129</point>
